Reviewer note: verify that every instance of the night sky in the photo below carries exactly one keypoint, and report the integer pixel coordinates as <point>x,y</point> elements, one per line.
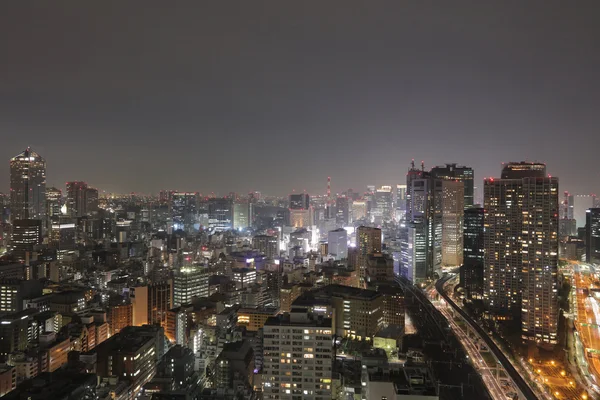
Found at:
<point>273,96</point>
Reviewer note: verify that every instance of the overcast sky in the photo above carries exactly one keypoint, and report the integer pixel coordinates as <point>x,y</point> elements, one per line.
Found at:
<point>273,96</point>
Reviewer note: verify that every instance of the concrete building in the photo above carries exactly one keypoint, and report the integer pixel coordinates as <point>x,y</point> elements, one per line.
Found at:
<point>298,357</point>
<point>151,302</point>
<point>521,249</point>
<point>458,173</point>
<point>592,239</point>
<point>267,245</point>
<point>368,242</point>
<point>452,223</point>
<point>337,243</point>
<point>27,186</point>
<point>190,282</point>
<point>471,272</point>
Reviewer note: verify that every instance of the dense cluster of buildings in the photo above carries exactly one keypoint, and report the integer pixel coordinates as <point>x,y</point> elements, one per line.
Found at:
<point>187,296</point>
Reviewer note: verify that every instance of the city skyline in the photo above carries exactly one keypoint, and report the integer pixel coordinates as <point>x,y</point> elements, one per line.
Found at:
<point>189,99</point>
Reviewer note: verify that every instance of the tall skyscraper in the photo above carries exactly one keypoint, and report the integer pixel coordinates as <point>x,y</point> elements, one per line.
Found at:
<point>342,209</point>
<point>368,241</point>
<point>26,234</point>
<point>28,186</point>
<point>53,205</point>
<point>241,211</point>
<point>184,209</point>
<point>359,210</point>
<point>337,243</point>
<point>220,214</point>
<point>452,222</point>
<point>453,172</point>
<point>471,272</point>
<point>300,215</point>
<point>400,202</point>
<point>592,239</point>
<point>91,201</point>
<point>582,203</point>
<point>76,198</point>
<point>383,207</point>
<point>424,211</point>
<point>521,249</point>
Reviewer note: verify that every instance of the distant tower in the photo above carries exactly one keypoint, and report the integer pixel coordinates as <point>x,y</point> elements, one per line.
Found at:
<point>27,186</point>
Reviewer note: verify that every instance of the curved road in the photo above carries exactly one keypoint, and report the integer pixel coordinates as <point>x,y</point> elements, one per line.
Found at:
<point>517,379</point>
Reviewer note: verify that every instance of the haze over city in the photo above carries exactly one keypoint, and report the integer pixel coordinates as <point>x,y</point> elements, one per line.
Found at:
<point>273,97</point>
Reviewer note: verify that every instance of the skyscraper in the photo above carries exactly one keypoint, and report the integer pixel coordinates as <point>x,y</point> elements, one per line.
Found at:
<point>471,272</point>
<point>26,234</point>
<point>184,209</point>
<point>452,222</point>
<point>521,249</point>
<point>300,215</point>
<point>27,186</point>
<point>582,203</point>
<point>453,172</point>
<point>383,207</point>
<point>368,241</point>
<point>76,198</point>
<point>337,241</point>
<point>400,202</point>
<point>342,209</point>
<point>220,214</point>
<point>592,237</point>
<point>299,201</point>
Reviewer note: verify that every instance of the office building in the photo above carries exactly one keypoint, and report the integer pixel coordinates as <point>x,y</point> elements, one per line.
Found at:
<point>183,210</point>
<point>359,210</point>
<point>241,218</point>
<point>368,242</point>
<point>452,222</point>
<point>234,367</point>
<point>26,234</point>
<point>27,186</point>
<point>190,282</point>
<point>471,272</point>
<point>413,252</point>
<point>424,216</point>
<point>298,357</point>
<point>337,243</point>
<point>63,234</point>
<point>8,379</point>
<point>220,214</point>
<point>14,291</point>
<point>91,201</point>
<point>76,198</point>
<point>151,302</point>
<point>521,249</point>
<point>54,203</point>
<point>299,201</point>
<point>581,203</point>
<point>267,245</point>
<point>119,317</point>
<point>131,355</point>
<point>400,202</point>
<point>592,237</point>
<point>460,173</point>
<point>383,210</point>
<point>342,211</point>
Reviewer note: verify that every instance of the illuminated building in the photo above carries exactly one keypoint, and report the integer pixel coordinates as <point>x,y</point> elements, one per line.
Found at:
<point>26,234</point>
<point>53,203</point>
<point>267,245</point>
<point>300,210</point>
<point>298,356</point>
<point>413,252</point>
<point>120,316</point>
<point>337,243</point>
<point>8,379</point>
<point>183,208</point>
<point>521,249</point>
<point>241,218</point>
<point>400,202</point>
<point>342,209</point>
<point>368,242</point>
<point>424,213</point>
<point>63,234</point>
<point>151,303</point>
<point>383,209</point>
<point>243,277</point>
<point>471,272</point>
<point>452,223</point>
<point>460,173</point>
<point>76,199</point>
<point>580,204</point>
<point>132,355</point>
<point>190,282</point>
<point>91,201</point>
<point>359,210</point>
<point>254,318</point>
<point>220,214</point>
<point>14,291</point>
<point>592,239</point>
<point>27,186</point>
